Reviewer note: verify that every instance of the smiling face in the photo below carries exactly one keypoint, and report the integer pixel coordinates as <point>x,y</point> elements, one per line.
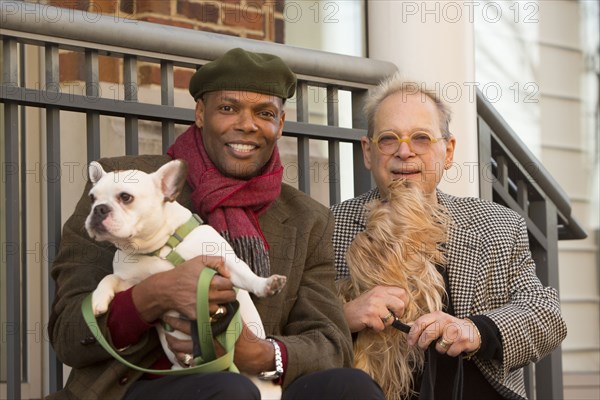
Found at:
<point>240,130</point>
<point>405,114</point>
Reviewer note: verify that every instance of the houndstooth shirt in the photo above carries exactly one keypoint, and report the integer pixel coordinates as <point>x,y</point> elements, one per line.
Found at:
<point>491,272</point>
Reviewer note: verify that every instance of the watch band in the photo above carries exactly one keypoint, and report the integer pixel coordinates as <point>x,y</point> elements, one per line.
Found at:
<point>278,372</point>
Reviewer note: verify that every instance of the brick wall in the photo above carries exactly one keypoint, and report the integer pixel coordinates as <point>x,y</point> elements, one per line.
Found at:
<point>254,19</point>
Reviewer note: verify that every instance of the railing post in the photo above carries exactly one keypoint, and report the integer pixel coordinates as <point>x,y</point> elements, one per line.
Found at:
<point>485,160</point>
<point>333,119</point>
<point>11,204</point>
<point>130,84</point>
<point>362,177</point>
<point>55,379</point>
<point>548,371</point>
<point>167,98</point>
<point>92,93</point>
<point>302,113</point>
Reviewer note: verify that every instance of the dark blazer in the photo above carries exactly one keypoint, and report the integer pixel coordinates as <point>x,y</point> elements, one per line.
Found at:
<point>491,272</point>
<point>298,230</point>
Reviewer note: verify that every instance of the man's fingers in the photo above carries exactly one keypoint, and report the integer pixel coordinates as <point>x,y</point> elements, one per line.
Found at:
<point>179,345</point>
<point>218,264</point>
<point>423,331</point>
<point>397,307</point>
<point>450,334</point>
<point>221,291</point>
<point>221,283</point>
<point>178,324</point>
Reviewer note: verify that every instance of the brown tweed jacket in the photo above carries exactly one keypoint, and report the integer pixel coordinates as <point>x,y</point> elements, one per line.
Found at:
<point>298,230</point>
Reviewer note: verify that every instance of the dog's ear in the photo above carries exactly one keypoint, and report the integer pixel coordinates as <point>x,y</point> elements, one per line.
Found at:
<point>171,177</point>
<point>95,172</point>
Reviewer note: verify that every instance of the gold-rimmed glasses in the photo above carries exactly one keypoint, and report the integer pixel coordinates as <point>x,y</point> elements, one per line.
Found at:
<point>388,142</point>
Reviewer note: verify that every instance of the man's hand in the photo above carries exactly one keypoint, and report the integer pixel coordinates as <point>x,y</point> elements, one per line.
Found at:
<point>453,336</point>
<point>176,289</point>
<point>252,355</point>
<point>179,347</point>
<point>372,308</point>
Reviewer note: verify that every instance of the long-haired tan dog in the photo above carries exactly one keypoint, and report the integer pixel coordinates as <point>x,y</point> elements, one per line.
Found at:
<point>400,247</point>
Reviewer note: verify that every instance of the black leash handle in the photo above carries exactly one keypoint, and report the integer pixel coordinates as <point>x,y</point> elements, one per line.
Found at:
<point>401,326</point>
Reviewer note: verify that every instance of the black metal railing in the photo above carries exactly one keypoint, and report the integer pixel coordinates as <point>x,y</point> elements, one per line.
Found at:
<point>511,175</point>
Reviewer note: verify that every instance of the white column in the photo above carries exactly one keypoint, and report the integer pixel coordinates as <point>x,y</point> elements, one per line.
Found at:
<point>433,42</point>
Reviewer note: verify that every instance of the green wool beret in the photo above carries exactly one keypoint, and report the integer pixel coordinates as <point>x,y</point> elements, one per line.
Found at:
<point>242,70</point>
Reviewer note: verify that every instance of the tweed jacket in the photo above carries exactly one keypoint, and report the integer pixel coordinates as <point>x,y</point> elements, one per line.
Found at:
<point>491,272</point>
<point>306,316</point>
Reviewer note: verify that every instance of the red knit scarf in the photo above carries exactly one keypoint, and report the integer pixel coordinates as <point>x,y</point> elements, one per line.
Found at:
<point>231,205</point>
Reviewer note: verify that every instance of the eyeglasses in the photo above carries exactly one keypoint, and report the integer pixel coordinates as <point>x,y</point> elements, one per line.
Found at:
<point>388,142</point>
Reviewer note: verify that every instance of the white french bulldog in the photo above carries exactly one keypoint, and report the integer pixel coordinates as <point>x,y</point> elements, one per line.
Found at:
<point>137,212</point>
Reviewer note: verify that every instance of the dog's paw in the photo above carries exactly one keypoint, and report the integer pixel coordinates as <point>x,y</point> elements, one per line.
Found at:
<point>100,303</point>
<point>275,284</point>
<point>99,309</point>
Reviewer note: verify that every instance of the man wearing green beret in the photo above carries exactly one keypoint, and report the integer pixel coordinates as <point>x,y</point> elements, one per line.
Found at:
<point>235,184</point>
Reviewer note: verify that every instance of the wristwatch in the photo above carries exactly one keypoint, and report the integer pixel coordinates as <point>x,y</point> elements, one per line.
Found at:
<point>273,375</point>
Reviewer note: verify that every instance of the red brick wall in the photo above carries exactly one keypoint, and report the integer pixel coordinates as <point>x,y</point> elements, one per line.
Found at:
<point>254,19</point>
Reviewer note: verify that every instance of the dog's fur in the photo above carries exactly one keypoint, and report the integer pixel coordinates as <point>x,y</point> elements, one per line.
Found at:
<point>137,212</point>
<point>400,247</point>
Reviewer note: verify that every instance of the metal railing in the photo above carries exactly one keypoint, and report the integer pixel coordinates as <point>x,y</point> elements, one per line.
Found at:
<point>511,175</point>
<point>538,197</point>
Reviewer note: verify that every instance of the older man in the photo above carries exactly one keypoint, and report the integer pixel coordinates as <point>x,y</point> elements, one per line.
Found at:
<point>496,311</point>
<point>234,183</point>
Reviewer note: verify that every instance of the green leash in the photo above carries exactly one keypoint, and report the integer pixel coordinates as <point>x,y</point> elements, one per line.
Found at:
<point>208,362</point>
<point>176,238</point>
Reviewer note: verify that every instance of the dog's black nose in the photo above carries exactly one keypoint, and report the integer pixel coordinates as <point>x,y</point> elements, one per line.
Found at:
<point>101,211</point>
